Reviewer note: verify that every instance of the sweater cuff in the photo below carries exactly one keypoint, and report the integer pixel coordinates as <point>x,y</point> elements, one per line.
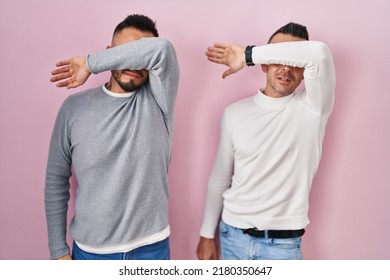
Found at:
<point>207,231</point>
<point>87,62</point>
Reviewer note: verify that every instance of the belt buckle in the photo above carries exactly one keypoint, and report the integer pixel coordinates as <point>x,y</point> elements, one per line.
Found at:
<point>254,232</point>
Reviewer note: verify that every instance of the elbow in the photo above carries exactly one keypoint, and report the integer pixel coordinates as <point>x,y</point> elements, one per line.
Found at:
<point>322,52</point>
<point>321,59</point>
<point>162,44</point>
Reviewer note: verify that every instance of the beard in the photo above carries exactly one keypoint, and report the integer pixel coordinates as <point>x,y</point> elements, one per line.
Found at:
<point>129,86</point>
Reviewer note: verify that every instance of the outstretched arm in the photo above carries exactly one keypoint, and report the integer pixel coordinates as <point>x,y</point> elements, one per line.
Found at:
<point>233,56</point>
<point>314,56</point>
<point>71,73</point>
<point>157,55</point>
<point>319,74</point>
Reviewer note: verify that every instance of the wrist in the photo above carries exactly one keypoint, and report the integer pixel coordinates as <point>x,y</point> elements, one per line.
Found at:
<point>248,55</point>
<point>206,239</point>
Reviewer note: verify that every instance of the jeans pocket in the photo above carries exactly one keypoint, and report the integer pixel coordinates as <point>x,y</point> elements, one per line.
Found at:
<point>287,243</point>
<point>224,229</point>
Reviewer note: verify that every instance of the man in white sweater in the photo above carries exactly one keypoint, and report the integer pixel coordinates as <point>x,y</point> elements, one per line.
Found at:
<point>270,148</point>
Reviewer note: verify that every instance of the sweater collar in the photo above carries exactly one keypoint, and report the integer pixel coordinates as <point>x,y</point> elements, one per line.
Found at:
<point>272,103</point>
<point>117,95</point>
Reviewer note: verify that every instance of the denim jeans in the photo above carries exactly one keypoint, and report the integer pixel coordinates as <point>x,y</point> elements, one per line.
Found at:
<point>156,251</point>
<point>236,245</point>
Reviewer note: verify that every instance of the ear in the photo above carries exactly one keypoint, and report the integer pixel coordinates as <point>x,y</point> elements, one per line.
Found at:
<point>264,67</point>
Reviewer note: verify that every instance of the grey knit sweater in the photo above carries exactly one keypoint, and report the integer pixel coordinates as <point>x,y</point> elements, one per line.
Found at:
<point>119,150</point>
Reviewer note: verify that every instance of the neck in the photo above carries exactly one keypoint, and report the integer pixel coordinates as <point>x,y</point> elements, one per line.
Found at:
<point>275,94</point>
<point>271,93</point>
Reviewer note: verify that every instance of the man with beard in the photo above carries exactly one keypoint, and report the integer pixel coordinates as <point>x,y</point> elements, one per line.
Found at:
<point>117,140</point>
<point>270,148</point>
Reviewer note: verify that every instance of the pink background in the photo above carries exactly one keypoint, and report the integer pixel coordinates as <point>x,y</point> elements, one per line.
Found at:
<point>350,197</point>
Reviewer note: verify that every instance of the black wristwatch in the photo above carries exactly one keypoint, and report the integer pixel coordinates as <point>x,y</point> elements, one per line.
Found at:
<point>248,55</point>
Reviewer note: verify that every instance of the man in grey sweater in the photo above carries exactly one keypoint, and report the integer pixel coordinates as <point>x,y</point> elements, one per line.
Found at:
<point>117,140</point>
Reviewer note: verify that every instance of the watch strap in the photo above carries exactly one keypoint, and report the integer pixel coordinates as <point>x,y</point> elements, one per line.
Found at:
<point>248,55</point>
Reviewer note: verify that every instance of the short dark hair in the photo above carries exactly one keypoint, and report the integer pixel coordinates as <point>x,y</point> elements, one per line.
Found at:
<point>140,22</point>
<point>293,29</point>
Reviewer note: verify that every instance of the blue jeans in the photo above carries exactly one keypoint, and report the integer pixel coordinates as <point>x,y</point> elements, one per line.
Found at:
<point>236,245</point>
<point>156,251</point>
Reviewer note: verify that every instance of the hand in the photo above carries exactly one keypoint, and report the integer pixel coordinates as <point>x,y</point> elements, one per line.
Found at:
<point>207,249</point>
<point>232,56</point>
<point>72,72</point>
<point>67,257</point>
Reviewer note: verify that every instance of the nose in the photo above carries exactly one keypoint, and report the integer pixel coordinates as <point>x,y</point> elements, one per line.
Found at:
<point>287,68</point>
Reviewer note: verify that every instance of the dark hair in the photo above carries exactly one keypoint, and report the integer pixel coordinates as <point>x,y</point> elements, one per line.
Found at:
<point>140,22</point>
<point>293,29</point>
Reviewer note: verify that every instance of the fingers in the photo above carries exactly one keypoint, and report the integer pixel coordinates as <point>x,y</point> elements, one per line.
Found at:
<point>61,76</point>
<point>221,45</point>
<point>64,83</point>
<point>207,256</point>
<point>217,51</point>
<point>61,70</point>
<point>216,59</point>
<point>64,75</point>
<point>61,73</point>
<point>63,63</point>
<point>70,73</point>
<point>68,84</point>
<point>215,54</point>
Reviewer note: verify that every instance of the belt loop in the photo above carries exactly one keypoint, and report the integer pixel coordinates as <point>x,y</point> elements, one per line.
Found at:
<point>266,234</point>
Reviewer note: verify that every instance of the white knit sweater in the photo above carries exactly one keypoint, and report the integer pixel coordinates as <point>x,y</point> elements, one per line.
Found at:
<point>270,148</point>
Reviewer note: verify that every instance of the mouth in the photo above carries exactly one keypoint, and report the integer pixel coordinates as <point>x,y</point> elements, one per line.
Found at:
<point>133,74</point>
<point>284,79</point>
